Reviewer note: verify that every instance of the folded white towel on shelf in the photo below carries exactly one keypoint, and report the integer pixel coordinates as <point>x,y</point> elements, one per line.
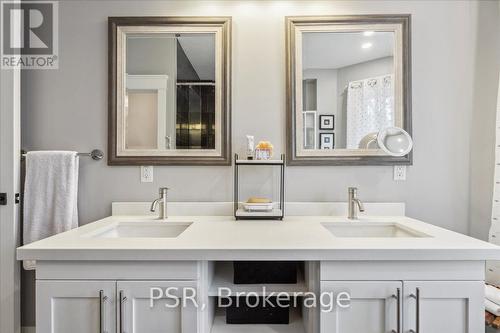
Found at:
<point>491,307</point>
<point>492,293</point>
<point>50,195</point>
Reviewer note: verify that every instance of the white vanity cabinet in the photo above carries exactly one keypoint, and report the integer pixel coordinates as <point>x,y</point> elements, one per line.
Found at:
<point>404,297</point>
<point>75,306</point>
<point>393,296</point>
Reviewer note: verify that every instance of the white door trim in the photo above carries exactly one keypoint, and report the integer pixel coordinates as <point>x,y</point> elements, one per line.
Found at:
<point>10,149</point>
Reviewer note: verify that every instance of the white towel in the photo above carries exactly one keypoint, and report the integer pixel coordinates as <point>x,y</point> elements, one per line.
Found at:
<point>50,195</point>
<point>492,307</point>
<point>492,293</point>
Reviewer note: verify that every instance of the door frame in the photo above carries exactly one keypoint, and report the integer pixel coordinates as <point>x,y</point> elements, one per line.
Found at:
<point>10,151</point>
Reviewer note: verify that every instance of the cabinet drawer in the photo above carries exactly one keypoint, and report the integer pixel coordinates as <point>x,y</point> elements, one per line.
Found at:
<point>402,270</point>
<point>117,270</point>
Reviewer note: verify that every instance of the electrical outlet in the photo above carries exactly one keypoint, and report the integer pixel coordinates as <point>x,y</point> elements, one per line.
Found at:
<point>400,172</point>
<point>147,174</point>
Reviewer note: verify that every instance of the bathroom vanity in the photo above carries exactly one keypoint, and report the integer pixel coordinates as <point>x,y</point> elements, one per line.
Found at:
<point>400,273</point>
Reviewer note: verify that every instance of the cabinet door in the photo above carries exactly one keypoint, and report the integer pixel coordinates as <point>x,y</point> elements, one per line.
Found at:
<point>139,312</point>
<point>443,306</point>
<point>375,307</point>
<point>75,306</point>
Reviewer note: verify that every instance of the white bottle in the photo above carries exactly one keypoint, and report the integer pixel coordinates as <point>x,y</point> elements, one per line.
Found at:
<point>250,147</point>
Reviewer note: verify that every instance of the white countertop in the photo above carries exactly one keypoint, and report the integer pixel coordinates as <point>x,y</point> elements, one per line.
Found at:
<point>294,238</point>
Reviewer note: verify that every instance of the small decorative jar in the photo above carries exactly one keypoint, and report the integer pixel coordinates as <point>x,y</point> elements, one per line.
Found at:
<point>264,150</point>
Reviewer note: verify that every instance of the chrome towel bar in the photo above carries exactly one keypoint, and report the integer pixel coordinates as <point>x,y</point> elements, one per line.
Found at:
<point>96,154</point>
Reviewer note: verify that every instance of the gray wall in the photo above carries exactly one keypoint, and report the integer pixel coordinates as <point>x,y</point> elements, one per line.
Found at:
<point>365,70</point>
<point>67,108</point>
<point>151,56</point>
<point>482,158</point>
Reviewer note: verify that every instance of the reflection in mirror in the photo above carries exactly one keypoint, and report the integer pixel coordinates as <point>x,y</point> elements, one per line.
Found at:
<point>170,91</point>
<point>347,88</point>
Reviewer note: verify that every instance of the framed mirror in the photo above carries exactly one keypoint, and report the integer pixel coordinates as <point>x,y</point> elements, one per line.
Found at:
<point>169,91</point>
<point>348,78</point>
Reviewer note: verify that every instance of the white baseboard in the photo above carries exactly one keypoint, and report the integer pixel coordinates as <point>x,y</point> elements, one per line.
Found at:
<point>28,329</point>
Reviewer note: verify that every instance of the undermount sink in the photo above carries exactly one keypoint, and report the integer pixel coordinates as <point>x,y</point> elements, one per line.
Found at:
<point>371,230</point>
<point>157,229</point>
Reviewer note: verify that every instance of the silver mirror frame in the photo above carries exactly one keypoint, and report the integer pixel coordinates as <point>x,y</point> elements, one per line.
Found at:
<point>295,22</point>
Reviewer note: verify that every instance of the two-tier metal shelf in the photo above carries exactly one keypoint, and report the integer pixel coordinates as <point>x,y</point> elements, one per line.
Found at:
<point>278,212</point>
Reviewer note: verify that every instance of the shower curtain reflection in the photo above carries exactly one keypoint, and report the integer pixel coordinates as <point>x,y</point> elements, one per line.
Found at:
<point>370,108</point>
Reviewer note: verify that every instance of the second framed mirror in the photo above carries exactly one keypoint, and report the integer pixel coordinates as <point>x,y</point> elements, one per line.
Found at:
<point>348,79</point>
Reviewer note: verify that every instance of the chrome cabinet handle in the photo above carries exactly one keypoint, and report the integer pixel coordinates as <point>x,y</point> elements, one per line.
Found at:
<point>416,296</point>
<point>102,313</point>
<point>397,296</point>
<point>122,299</point>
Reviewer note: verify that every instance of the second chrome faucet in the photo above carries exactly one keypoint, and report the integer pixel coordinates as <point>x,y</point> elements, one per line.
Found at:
<point>162,202</point>
<point>354,204</point>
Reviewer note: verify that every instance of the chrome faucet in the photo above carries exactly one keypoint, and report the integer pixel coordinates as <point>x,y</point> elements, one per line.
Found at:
<point>162,201</point>
<point>353,201</point>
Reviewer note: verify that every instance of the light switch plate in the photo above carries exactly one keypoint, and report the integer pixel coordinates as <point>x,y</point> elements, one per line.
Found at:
<point>400,172</point>
<point>147,174</point>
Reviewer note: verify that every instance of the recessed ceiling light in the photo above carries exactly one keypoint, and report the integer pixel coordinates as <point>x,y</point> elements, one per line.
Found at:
<point>368,33</point>
<point>366,45</point>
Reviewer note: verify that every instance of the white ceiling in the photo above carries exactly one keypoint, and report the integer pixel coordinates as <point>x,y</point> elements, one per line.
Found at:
<point>340,49</point>
<point>200,50</point>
